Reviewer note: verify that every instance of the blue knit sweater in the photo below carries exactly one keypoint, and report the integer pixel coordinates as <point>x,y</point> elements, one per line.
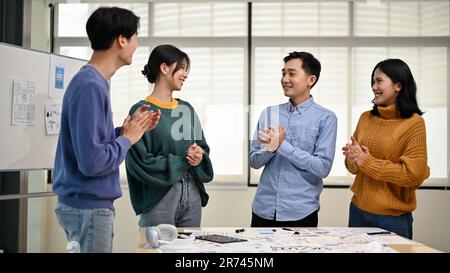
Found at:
<point>89,150</point>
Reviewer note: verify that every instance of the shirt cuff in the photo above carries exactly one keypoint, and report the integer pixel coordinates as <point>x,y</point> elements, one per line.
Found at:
<point>263,153</point>
<point>118,130</point>
<point>285,148</point>
<point>124,142</point>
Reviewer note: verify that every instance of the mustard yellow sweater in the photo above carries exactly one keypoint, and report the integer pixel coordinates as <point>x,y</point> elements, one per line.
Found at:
<point>385,183</point>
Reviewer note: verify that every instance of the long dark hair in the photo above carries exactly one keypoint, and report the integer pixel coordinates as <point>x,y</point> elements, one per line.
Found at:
<point>167,54</point>
<point>398,71</point>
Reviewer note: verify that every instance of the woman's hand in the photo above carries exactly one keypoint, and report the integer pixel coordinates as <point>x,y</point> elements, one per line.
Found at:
<point>355,153</point>
<point>195,155</point>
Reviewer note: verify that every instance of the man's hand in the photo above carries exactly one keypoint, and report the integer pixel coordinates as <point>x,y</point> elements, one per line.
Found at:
<point>140,122</point>
<point>270,139</point>
<point>154,120</point>
<point>195,155</point>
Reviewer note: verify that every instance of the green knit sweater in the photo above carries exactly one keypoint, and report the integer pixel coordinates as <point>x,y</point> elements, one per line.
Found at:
<point>158,160</point>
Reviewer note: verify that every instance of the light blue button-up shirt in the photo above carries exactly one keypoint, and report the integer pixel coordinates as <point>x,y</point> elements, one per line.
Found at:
<point>291,182</point>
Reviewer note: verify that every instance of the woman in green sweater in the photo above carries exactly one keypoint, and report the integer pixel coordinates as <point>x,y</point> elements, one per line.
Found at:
<point>168,167</point>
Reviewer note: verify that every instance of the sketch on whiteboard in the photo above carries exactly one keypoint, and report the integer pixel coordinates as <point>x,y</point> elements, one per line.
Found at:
<point>53,118</point>
<point>23,107</point>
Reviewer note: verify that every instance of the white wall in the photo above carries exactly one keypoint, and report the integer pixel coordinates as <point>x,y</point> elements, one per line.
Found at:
<point>232,207</point>
<point>40,27</point>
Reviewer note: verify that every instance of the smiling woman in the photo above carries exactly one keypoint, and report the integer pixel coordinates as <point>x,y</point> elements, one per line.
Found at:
<point>172,162</point>
<point>388,153</point>
<point>384,89</point>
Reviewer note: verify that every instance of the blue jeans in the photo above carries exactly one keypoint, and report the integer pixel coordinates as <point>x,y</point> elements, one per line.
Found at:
<point>181,206</point>
<point>92,228</point>
<point>401,225</point>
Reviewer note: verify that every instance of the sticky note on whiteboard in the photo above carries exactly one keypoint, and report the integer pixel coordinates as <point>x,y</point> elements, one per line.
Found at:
<point>59,77</point>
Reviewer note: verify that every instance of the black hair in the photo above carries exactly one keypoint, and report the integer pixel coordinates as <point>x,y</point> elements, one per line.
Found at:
<point>309,63</point>
<point>398,71</point>
<point>107,23</point>
<point>167,54</point>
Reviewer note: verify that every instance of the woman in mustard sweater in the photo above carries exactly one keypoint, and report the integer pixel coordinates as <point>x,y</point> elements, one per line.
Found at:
<point>388,153</point>
<point>168,167</point>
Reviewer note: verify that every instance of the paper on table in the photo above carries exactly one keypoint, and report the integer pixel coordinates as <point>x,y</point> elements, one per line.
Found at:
<point>392,239</point>
<point>351,231</point>
<point>322,242</point>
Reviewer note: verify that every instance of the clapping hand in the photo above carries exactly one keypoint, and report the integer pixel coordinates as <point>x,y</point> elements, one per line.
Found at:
<point>355,153</point>
<point>195,155</point>
<point>154,116</point>
<point>270,139</point>
<point>140,122</point>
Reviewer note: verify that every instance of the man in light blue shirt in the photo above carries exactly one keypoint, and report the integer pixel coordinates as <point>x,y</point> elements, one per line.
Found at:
<point>295,142</point>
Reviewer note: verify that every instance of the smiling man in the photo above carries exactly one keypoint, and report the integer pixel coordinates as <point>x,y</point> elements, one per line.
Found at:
<point>295,142</point>
<point>90,150</point>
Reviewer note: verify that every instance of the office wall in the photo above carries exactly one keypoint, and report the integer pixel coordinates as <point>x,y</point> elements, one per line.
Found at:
<point>232,207</point>
<point>40,27</point>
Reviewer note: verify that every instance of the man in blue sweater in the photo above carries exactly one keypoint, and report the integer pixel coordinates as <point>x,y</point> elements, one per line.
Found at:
<point>90,149</point>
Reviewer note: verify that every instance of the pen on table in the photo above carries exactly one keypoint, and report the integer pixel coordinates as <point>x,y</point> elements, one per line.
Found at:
<point>288,229</point>
<point>240,230</point>
<point>184,235</point>
<point>378,233</point>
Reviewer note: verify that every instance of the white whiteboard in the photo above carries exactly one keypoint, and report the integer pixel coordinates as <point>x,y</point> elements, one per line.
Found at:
<point>26,147</point>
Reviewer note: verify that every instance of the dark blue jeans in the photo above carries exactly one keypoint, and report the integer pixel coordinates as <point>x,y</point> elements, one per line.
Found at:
<point>401,225</point>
